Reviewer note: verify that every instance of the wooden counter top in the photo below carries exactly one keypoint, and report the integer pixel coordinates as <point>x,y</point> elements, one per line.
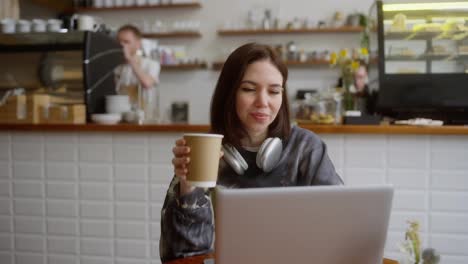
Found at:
<point>319,129</point>
<point>387,129</point>
<point>105,128</point>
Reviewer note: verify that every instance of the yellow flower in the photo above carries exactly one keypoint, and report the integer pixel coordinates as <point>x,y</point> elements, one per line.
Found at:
<point>343,53</point>
<point>355,65</point>
<point>364,51</point>
<point>333,58</point>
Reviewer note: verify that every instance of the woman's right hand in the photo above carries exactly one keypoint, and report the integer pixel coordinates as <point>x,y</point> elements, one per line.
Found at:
<point>180,162</point>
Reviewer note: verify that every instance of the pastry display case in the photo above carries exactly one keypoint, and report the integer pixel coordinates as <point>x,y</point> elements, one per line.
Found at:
<point>423,60</point>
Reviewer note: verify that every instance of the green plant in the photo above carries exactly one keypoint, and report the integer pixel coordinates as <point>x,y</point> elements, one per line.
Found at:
<point>412,236</point>
<point>411,247</point>
<point>364,23</point>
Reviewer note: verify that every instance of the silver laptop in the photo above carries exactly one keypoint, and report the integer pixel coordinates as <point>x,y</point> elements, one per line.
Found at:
<point>318,224</point>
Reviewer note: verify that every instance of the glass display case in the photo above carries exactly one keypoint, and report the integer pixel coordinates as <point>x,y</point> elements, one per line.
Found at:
<point>423,59</point>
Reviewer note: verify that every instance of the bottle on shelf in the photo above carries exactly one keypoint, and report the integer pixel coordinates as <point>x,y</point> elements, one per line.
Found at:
<point>266,24</point>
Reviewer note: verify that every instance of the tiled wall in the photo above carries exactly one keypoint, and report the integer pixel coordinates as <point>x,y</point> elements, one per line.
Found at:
<point>87,198</point>
<point>430,175</point>
<point>95,198</point>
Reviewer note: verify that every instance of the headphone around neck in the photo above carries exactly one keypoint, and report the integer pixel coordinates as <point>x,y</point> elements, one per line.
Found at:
<point>268,156</point>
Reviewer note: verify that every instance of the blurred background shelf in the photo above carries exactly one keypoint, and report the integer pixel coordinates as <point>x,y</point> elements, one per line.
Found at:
<point>403,58</point>
<point>144,7</point>
<point>424,35</point>
<point>186,67</point>
<point>423,57</point>
<point>295,64</point>
<point>175,34</point>
<point>463,57</point>
<point>240,32</point>
<point>311,63</point>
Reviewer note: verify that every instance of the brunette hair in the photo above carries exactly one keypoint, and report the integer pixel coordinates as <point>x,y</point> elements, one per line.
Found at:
<point>132,29</point>
<point>224,119</point>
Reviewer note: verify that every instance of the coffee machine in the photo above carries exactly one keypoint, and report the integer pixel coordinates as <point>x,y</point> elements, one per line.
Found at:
<point>72,67</point>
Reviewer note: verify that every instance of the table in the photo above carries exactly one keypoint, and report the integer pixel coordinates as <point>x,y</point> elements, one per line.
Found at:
<point>199,260</point>
<point>191,260</point>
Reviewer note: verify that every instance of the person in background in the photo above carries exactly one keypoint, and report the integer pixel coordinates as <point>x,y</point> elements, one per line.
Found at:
<point>361,79</point>
<point>249,105</point>
<point>365,98</point>
<point>139,72</point>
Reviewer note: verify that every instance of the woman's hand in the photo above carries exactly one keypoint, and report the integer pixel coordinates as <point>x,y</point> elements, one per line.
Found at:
<point>180,161</point>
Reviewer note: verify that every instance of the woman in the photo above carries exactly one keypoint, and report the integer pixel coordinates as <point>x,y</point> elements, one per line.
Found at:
<point>249,105</point>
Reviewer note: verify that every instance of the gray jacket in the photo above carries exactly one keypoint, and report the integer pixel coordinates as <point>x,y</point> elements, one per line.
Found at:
<point>187,226</point>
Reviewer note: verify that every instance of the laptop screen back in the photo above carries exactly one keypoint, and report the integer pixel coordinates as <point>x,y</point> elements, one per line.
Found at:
<point>315,224</point>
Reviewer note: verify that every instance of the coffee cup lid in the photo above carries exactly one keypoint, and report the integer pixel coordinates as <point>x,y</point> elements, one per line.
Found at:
<point>203,135</point>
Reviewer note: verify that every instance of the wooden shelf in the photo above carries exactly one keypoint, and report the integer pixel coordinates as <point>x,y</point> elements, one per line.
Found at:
<point>239,32</point>
<point>218,65</point>
<point>307,63</point>
<point>202,128</point>
<point>145,7</point>
<point>311,63</point>
<point>56,5</point>
<point>191,66</point>
<point>175,34</point>
<point>293,64</point>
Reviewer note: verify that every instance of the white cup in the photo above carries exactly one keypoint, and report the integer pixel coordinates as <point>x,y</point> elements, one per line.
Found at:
<point>98,3</point>
<point>108,3</point>
<point>117,104</point>
<point>38,25</point>
<point>23,26</point>
<point>8,26</point>
<point>130,116</point>
<point>153,2</point>
<point>85,22</point>
<point>54,25</point>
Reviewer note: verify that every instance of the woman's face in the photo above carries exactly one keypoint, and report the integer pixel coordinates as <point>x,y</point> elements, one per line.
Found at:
<point>259,96</point>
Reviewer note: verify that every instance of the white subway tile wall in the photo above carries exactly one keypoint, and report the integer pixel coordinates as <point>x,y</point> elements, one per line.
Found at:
<point>95,260</point>
<point>61,152</point>
<point>63,171</point>
<point>96,228</point>
<point>94,198</point>
<point>5,170</point>
<point>5,242</point>
<point>29,207</point>
<point>6,224</point>
<point>61,259</point>
<point>28,258</point>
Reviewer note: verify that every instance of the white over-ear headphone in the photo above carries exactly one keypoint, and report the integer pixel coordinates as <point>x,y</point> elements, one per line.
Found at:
<point>267,157</point>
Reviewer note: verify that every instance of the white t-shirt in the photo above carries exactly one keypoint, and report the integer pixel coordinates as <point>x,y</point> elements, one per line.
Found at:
<point>124,75</point>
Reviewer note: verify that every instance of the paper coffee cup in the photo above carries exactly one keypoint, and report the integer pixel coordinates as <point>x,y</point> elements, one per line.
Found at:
<point>204,159</point>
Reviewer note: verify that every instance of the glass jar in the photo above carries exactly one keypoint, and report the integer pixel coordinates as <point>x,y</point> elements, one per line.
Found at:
<point>150,104</point>
<point>325,107</point>
<point>304,107</point>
